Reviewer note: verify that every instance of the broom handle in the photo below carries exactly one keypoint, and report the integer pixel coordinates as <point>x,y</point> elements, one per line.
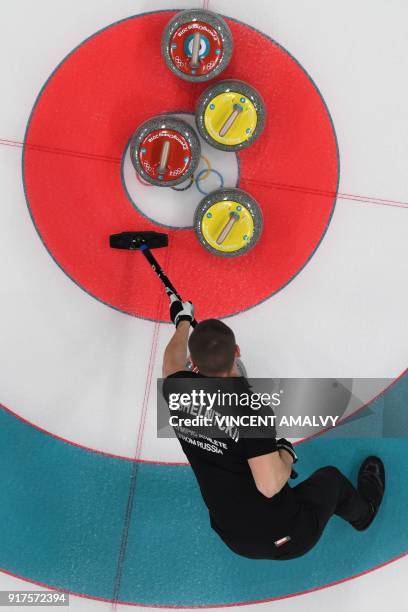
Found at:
<point>164,279</point>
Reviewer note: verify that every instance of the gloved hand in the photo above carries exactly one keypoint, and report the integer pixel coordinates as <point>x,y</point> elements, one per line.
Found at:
<point>284,444</point>
<point>180,311</point>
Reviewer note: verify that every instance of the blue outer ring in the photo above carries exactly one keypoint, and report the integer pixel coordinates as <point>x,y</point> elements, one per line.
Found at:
<point>73,502</point>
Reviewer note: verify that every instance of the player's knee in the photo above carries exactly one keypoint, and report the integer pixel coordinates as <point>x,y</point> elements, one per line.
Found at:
<point>333,471</point>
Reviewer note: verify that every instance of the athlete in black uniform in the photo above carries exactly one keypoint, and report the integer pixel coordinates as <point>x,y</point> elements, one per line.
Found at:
<point>244,482</point>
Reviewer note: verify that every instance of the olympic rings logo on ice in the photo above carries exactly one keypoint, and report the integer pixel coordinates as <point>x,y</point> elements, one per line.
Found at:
<point>197,179</point>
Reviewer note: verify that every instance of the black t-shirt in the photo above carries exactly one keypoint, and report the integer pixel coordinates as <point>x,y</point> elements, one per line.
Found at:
<point>247,521</point>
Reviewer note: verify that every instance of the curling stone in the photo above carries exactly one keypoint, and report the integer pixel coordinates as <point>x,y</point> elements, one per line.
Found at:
<point>197,45</point>
<point>228,222</point>
<point>230,115</point>
<point>165,151</point>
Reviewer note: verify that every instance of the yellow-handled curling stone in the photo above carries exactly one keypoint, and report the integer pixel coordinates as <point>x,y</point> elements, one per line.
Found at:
<point>197,45</point>
<point>230,115</point>
<point>228,222</point>
<point>165,151</point>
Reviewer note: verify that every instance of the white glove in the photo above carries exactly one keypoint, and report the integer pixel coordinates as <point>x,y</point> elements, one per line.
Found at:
<point>180,311</point>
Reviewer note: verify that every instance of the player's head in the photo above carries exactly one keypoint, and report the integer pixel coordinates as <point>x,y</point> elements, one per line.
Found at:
<point>213,348</point>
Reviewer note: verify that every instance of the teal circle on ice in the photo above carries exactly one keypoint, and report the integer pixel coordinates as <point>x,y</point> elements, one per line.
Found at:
<point>83,535</point>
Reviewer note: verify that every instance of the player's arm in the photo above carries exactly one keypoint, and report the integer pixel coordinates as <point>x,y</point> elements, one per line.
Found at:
<point>175,355</point>
<point>271,471</point>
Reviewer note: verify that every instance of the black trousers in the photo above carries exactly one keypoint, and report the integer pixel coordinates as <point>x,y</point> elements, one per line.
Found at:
<point>325,493</point>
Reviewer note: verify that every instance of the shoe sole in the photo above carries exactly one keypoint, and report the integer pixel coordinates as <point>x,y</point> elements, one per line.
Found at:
<point>378,461</point>
<point>372,459</point>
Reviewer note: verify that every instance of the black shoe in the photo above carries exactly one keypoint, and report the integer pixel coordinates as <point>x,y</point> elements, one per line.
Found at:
<point>371,486</point>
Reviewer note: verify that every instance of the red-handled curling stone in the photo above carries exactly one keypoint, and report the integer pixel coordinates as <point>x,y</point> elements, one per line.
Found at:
<point>197,45</point>
<point>165,151</point>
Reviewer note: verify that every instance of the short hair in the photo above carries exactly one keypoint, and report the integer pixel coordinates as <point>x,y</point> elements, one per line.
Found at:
<point>212,347</point>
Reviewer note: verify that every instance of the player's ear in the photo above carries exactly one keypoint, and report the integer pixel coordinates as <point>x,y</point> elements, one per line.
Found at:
<point>237,351</point>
